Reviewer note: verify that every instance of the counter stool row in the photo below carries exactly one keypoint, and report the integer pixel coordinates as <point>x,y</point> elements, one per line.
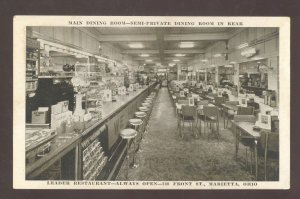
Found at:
<point>139,126</point>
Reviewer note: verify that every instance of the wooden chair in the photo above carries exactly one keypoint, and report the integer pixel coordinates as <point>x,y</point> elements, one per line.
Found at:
<point>218,102</point>
<point>228,114</point>
<point>245,110</point>
<point>247,141</point>
<point>188,114</point>
<point>211,116</point>
<point>200,114</point>
<point>269,143</point>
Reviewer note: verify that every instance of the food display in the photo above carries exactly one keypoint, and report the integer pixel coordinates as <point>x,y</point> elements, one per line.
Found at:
<point>95,102</point>
<point>38,143</point>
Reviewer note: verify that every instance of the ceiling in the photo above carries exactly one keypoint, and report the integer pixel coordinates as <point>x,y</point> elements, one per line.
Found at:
<point>162,45</point>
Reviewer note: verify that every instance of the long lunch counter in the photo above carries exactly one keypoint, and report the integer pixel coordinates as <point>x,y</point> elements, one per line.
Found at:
<point>96,153</point>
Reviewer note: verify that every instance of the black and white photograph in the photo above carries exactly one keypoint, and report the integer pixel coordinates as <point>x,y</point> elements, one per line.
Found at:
<point>151,102</point>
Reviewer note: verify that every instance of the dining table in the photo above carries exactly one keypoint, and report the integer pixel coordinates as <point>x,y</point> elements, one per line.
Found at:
<point>246,131</point>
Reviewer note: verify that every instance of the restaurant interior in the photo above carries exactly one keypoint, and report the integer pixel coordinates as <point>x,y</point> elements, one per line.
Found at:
<point>152,103</point>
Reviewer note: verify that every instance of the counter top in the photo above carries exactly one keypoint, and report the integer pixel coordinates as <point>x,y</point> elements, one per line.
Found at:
<point>65,143</point>
<point>110,108</point>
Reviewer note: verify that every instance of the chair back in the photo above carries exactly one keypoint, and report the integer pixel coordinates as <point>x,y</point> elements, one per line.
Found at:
<point>244,118</point>
<point>234,103</point>
<point>181,98</point>
<point>213,94</point>
<point>188,111</point>
<point>245,110</point>
<point>203,102</point>
<point>211,112</point>
<point>185,101</point>
<point>270,140</point>
<point>219,100</point>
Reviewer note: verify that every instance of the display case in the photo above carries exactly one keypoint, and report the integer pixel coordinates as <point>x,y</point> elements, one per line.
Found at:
<point>32,64</point>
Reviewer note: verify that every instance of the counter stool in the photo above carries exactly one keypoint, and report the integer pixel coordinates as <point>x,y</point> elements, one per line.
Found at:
<point>147,111</point>
<point>146,104</point>
<point>152,98</point>
<point>144,109</point>
<point>136,122</point>
<point>149,103</point>
<point>142,116</point>
<point>128,134</point>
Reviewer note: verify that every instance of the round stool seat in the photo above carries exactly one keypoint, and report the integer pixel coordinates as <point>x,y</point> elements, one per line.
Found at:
<point>142,108</point>
<point>136,121</point>
<point>148,101</point>
<point>140,114</point>
<point>128,133</point>
<point>146,104</point>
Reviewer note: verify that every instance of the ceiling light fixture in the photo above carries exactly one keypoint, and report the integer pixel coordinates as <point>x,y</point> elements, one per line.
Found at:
<point>144,55</point>
<point>177,60</point>
<point>218,55</point>
<point>244,45</point>
<point>136,45</point>
<point>179,55</point>
<point>186,45</point>
<point>148,60</point>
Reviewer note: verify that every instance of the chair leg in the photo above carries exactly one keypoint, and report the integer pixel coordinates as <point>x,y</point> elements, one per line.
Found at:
<point>246,158</point>
<point>256,160</point>
<point>227,122</point>
<point>182,130</point>
<point>266,156</point>
<point>193,129</point>
<point>251,162</point>
<point>179,125</point>
<point>204,126</point>
<point>200,127</point>
<point>218,126</point>
<point>237,142</point>
<point>224,119</point>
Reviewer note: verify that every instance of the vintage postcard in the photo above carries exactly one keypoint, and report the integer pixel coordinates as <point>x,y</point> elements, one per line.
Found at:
<point>114,102</point>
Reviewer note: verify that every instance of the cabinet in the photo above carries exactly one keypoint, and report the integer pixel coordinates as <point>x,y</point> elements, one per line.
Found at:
<point>32,64</point>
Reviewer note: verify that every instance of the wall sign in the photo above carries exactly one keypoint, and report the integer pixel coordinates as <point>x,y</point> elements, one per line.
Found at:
<point>248,52</point>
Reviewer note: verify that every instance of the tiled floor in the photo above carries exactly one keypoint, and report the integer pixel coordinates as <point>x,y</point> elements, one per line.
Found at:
<point>166,156</point>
